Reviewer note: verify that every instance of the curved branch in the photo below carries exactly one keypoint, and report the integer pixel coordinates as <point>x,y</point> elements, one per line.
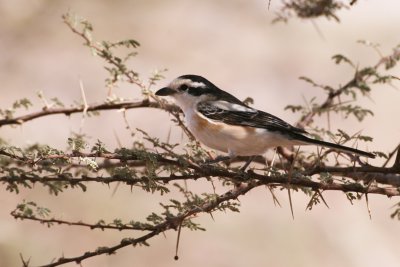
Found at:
<point>103,250</point>
<point>169,223</point>
<point>106,106</point>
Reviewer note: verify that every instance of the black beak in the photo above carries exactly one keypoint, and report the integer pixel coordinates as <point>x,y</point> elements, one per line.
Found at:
<point>165,91</point>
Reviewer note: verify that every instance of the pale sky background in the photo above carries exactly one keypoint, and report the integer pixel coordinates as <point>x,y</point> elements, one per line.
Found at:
<point>234,45</point>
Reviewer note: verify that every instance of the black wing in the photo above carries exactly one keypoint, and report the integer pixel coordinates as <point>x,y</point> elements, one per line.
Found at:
<point>246,116</point>
<point>240,114</point>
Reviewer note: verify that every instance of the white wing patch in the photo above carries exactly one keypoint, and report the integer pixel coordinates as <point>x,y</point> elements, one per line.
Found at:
<point>231,106</point>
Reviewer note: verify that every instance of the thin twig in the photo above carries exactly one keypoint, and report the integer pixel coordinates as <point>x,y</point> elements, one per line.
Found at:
<point>121,227</point>
<point>391,154</point>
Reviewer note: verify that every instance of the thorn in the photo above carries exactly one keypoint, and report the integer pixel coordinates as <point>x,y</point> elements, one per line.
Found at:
<point>366,199</point>
<point>117,139</point>
<point>290,202</point>
<point>391,154</point>
<point>273,158</point>
<point>396,163</point>
<point>24,263</point>
<point>323,199</point>
<point>120,145</point>
<point>128,127</point>
<point>369,210</point>
<point>249,160</point>
<point>213,186</point>
<point>316,27</point>
<point>169,135</point>
<point>289,180</point>
<point>177,241</point>
<point>115,188</point>
<point>85,104</point>
<point>274,198</point>
<point>212,217</point>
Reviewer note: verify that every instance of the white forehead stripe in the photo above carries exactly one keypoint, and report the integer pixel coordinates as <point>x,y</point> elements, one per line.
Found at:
<point>197,84</point>
<point>188,82</point>
<point>178,82</point>
<point>191,83</point>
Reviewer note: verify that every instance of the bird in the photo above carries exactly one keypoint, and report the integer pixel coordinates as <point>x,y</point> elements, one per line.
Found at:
<point>222,122</point>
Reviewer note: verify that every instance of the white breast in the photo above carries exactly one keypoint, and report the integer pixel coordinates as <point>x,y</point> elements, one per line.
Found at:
<point>232,139</point>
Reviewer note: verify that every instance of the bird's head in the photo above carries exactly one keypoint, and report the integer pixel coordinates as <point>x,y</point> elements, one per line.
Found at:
<point>187,86</point>
<point>188,90</point>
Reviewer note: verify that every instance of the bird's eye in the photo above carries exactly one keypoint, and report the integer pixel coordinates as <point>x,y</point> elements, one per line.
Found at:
<point>184,87</point>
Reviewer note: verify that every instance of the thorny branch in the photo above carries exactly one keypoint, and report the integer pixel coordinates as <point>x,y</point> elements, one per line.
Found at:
<point>391,177</point>
<point>382,175</point>
<point>264,179</point>
<point>168,224</point>
<point>364,179</point>
<point>253,180</point>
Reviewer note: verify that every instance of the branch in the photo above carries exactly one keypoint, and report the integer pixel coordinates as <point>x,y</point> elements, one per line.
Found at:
<point>169,223</point>
<point>358,77</point>
<point>300,179</point>
<point>174,222</point>
<point>388,176</point>
<point>296,180</point>
<point>68,111</point>
<point>100,226</point>
<point>97,179</point>
<point>308,118</point>
<point>397,160</point>
<point>103,250</point>
<point>382,175</point>
<point>100,49</point>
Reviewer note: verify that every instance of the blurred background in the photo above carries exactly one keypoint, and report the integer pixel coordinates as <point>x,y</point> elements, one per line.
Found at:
<point>233,44</point>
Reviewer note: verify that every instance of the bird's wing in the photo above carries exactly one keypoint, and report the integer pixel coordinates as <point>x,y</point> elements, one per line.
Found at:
<point>236,114</point>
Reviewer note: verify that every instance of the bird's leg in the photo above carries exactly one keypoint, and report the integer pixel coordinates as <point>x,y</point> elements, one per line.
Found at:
<point>249,160</point>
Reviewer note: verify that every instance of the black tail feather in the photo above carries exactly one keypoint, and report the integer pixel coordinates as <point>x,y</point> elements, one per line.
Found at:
<point>336,146</point>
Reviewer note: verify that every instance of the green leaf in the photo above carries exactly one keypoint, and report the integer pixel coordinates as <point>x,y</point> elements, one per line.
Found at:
<point>338,58</point>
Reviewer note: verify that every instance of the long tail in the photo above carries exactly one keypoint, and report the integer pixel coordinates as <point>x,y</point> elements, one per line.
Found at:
<point>335,146</point>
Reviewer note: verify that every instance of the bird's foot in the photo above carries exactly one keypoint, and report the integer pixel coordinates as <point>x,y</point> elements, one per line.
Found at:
<point>249,160</point>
